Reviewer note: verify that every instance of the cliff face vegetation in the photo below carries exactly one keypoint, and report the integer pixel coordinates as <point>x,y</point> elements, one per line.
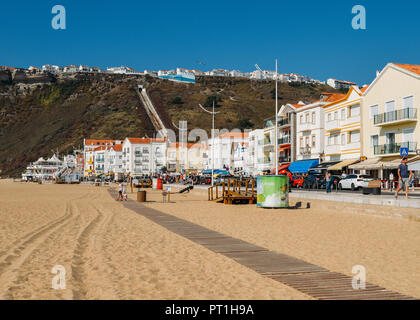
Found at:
<point>37,118</point>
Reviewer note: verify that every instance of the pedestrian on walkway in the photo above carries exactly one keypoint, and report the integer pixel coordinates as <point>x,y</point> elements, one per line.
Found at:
<point>328,181</point>
<point>391,181</point>
<point>404,176</point>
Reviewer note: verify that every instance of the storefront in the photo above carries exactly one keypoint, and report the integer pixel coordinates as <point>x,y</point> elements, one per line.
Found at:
<point>343,166</point>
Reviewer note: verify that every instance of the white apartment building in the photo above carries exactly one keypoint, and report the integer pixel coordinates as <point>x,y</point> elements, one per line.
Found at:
<point>339,84</point>
<point>89,154</point>
<point>240,156</point>
<point>310,128</point>
<point>255,152</point>
<point>188,157</point>
<point>143,156</point>
<point>223,149</point>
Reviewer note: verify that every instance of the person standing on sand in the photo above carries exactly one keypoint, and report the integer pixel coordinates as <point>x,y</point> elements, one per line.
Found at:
<point>120,188</point>
<point>404,176</point>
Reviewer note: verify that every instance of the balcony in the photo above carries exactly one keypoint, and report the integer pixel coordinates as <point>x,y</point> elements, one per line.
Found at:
<point>285,159</point>
<point>396,117</point>
<point>394,149</point>
<point>333,149</point>
<point>332,125</point>
<point>284,140</point>
<point>267,141</point>
<point>305,151</point>
<point>283,122</point>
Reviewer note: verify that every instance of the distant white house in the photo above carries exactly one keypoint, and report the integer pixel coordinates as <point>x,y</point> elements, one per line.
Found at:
<point>34,69</point>
<point>237,74</point>
<point>338,84</point>
<point>71,69</point>
<point>122,70</point>
<point>83,68</point>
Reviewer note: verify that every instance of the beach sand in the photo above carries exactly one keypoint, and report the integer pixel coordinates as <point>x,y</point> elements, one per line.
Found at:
<point>333,235</point>
<point>110,252</point>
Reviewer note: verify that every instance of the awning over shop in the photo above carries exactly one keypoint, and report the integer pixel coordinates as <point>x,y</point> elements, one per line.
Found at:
<point>415,166</point>
<point>391,164</point>
<point>285,147</point>
<point>302,166</point>
<point>341,165</point>
<point>370,164</point>
<point>324,165</point>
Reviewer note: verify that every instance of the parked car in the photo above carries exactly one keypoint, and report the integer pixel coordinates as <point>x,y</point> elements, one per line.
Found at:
<point>314,181</point>
<point>354,182</point>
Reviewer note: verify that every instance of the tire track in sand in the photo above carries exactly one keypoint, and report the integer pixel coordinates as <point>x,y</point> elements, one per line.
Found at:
<point>78,266</point>
<point>17,255</point>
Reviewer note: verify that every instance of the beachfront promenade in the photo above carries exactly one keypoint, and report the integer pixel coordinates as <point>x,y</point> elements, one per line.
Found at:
<point>386,199</point>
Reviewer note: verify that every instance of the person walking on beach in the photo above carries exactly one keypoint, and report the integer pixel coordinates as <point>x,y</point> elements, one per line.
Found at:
<point>120,188</point>
<point>404,176</point>
<point>328,181</point>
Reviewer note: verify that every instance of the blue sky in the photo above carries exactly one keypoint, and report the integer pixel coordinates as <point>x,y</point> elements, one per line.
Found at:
<point>312,38</point>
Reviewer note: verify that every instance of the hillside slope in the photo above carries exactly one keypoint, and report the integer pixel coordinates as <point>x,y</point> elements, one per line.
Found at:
<point>38,118</point>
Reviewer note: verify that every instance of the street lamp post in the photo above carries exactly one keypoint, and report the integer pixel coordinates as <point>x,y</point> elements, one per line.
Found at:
<point>212,141</point>
<point>276,144</point>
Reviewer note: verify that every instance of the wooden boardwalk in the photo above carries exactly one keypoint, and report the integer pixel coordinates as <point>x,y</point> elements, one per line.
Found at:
<point>305,277</point>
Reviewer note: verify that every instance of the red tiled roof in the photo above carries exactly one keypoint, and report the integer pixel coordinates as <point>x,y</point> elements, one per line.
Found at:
<point>139,140</point>
<point>117,147</point>
<point>297,106</point>
<point>93,142</point>
<point>233,135</point>
<point>410,67</point>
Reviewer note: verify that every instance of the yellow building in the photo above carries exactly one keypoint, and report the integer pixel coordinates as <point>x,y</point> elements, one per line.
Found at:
<point>390,108</point>
<point>342,129</point>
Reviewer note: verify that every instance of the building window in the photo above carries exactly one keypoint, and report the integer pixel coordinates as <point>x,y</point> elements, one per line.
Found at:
<point>355,110</point>
<point>335,115</point>
<point>329,117</point>
<point>390,106</point>
<point>374,141</point>
<point>408,102</point>
<point>343,139</point>
<point>301,142</point>
<point>355,136</point>
<point>313,117</point>
<point>374,111</point>
<point>343,114</point>
<point>313,141</point>
<point>301,119</point>
<point>307,117</point>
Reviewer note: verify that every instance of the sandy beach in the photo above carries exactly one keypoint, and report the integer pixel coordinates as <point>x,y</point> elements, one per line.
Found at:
<point>108,252</point>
